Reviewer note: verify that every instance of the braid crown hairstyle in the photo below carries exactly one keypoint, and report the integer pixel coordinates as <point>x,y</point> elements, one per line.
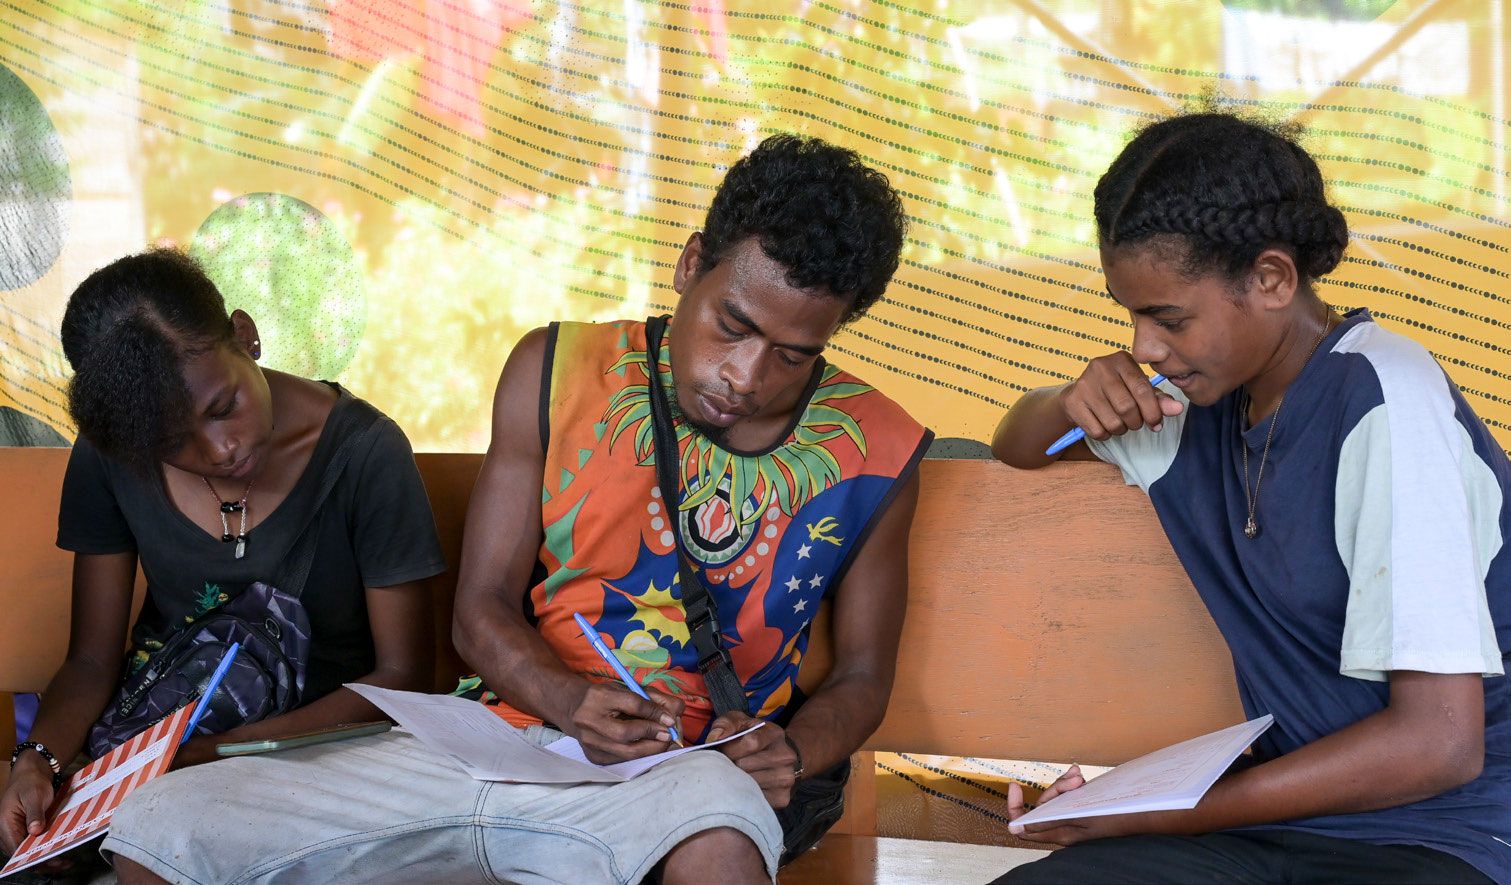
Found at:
<point>1228,188</point>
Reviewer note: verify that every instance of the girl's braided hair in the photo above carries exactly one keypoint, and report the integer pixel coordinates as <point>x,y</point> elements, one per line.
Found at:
<point>1229,188</point>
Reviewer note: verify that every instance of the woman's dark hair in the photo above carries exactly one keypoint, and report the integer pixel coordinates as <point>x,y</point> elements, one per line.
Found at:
<point>818,211</point>
<point>1229,188</point>
<point>127,331</point>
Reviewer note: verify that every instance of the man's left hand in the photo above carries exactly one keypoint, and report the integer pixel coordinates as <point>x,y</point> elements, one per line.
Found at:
<point>763,754</point>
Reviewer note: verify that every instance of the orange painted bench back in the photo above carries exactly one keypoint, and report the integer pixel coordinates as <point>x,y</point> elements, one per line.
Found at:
<point>1047,615</point>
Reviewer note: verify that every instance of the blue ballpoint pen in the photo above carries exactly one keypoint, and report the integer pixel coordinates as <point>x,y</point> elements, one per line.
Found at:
<point>1076,434</point>
<point>209,692</point>
<point>624,675</point>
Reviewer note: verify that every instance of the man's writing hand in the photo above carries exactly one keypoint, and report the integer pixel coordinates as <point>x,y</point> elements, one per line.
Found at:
<point>614,725</point>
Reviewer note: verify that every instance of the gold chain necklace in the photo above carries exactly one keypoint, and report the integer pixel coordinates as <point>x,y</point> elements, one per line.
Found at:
<point>227,507</point>
<point>1251,498</point>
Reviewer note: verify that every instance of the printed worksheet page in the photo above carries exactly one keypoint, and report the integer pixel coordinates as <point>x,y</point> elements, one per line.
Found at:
<point>569,748</point>
<point>490,749</point>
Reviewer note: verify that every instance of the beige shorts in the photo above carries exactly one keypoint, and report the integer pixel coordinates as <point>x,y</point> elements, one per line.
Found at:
<point>386,809</point>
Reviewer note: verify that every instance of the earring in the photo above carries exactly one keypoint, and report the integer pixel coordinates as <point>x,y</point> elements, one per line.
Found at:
<point>257,349</point>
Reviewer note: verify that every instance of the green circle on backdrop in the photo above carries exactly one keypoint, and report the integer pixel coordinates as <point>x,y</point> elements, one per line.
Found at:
<point>284,263</point>
<point>34,186</point>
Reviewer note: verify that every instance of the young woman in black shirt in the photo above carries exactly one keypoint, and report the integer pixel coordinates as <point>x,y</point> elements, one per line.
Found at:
<point>175,416</point>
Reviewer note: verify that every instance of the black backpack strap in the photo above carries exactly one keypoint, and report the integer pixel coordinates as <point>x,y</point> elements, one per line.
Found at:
<point>724,688</point>
<point>301,556</point>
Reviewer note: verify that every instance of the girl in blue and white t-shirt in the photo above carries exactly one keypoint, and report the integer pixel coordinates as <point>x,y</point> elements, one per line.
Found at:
<point>1338,506</point>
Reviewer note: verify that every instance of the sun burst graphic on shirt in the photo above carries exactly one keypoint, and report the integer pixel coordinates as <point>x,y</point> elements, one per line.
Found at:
<point>660,613</point>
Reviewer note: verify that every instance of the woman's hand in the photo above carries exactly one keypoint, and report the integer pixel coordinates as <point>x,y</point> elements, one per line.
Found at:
<point>1114,396</point>
<point>1061,832</point>
<point>24,804</point>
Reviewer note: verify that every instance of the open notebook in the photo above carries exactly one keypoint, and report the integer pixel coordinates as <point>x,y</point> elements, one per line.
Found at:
<point>1165,780</point>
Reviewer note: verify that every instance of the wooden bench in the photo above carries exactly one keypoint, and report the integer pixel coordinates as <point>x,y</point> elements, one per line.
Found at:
<point>1048,619</point>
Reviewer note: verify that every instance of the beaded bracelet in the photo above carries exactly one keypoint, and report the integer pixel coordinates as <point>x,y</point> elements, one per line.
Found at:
<point>52,761</point>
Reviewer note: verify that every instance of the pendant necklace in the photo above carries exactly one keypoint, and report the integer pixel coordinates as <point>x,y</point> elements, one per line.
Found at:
<point>1251,496</point>
<point>228,507</point>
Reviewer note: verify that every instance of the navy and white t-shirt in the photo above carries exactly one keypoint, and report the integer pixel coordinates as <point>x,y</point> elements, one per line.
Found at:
<point>1383,520</point>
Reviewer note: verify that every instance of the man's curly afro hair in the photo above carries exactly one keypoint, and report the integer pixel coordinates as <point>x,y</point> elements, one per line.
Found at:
<point>818,211</point>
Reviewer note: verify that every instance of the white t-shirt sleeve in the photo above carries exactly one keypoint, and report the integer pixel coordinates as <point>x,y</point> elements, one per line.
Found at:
<point>1417,525</point>
<point>1144,455</point>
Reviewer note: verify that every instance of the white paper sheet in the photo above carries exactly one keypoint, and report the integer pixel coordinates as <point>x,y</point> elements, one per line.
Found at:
<point>1165,780</point>
<point>569,748</point>
<point>490,749</point>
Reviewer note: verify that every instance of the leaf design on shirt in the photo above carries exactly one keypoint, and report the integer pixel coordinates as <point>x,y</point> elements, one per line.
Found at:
<point>790,475</point>
<point>208,598</point>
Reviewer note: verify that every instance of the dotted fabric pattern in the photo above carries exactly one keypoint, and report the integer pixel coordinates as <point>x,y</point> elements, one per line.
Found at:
<point>957,798</point>
<point>485,168</point>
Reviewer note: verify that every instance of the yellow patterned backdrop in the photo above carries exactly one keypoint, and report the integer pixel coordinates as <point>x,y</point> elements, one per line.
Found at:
<point>398,190</point>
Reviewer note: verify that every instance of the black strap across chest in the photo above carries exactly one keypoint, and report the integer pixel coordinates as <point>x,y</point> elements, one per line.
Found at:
<point>724,688</point>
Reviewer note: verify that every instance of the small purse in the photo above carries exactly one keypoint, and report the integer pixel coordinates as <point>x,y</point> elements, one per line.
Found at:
<point>266,678</point>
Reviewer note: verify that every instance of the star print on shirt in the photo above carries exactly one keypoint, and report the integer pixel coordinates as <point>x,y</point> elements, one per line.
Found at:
<point>793,583</point>
<point>817,580</point>
<point>803,551</point>
<point>801,604</point>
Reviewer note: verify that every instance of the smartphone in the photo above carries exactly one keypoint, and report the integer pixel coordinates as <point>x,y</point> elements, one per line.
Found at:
<point>303,739</point>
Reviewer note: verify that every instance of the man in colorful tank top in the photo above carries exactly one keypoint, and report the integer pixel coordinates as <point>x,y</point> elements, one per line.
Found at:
<point>796,486</point>
<point>771,527</point>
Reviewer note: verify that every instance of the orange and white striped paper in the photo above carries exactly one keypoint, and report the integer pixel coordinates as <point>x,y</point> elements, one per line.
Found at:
<point>89,799</point>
